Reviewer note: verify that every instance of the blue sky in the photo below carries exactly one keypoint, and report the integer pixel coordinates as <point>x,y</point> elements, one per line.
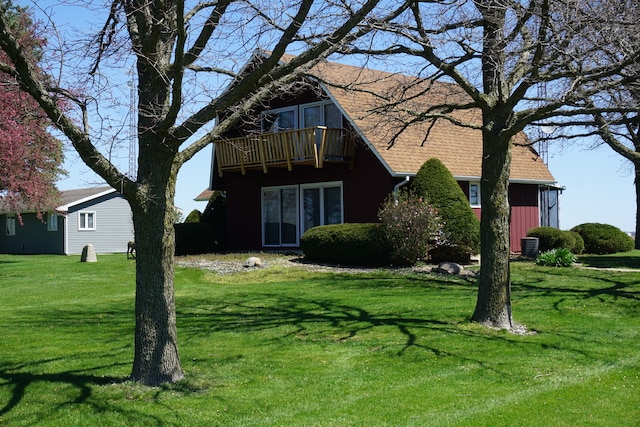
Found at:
<point>599,183</point>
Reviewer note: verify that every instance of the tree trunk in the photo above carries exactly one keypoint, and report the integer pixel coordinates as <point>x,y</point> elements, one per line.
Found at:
<point>636,166</point>
<point>156,359</point>
<point>493,307</point>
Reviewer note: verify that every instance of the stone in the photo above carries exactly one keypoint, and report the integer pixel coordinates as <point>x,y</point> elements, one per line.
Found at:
<point>253,262</point>
<point>449,268</point>
<point>88,254</point>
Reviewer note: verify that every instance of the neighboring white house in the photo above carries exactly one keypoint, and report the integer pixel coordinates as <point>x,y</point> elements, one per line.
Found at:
<point>99,216</point>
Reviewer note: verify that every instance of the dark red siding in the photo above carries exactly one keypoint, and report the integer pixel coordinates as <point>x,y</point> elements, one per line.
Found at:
<point>525,213</point>
<point>364,189</point>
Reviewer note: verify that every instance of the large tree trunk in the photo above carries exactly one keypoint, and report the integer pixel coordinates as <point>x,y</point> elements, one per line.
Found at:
<point>156,358</point>
<point>636,166</point>
<point>493,307</point>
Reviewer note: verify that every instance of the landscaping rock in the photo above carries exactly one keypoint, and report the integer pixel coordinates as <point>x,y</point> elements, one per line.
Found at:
<point>253,262</point>
<point>449,268</point>
<point>88,254</point>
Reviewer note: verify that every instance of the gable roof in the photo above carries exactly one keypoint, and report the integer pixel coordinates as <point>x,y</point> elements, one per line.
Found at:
<point>69,198</point>
<point>362,94</point>
<point>72,198</point>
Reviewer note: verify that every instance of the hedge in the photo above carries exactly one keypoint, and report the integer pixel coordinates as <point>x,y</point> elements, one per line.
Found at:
<point>347,244</point>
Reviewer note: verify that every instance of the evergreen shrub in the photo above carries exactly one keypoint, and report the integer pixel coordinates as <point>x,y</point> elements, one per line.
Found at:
<point>461,232</point>
<point>215,214</point>
<point>603,238</point>
<point>552,238</point>
<point>194,216</point>
<point>194,238</point>
<point>362,244</point>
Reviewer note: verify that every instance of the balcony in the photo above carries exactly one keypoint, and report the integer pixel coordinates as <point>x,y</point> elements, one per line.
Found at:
<point>310,146</point>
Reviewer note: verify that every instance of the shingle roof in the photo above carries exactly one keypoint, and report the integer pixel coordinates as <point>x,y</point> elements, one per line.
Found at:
<point>362,94</point>
<point>72,197</point>
<point>68,198</point>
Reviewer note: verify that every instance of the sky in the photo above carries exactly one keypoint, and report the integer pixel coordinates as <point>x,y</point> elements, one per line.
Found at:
<point>599,183</point>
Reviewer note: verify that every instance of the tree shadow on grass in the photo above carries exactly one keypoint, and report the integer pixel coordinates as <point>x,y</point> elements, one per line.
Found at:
<point>322,318</point>
<point>608,286</point>
<point>631,260</point>
<point>17,378</point>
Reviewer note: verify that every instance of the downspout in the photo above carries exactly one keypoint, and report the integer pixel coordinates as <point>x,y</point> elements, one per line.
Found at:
<point>397,187</point>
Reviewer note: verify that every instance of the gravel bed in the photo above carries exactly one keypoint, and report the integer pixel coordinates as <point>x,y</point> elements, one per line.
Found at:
<point>229,267</point>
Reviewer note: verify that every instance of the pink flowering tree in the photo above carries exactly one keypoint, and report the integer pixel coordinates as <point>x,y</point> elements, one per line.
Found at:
<point>412,226</point>
<point>30,157</point>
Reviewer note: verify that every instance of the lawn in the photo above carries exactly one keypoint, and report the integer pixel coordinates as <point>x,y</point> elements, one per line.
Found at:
<point>286,347</point>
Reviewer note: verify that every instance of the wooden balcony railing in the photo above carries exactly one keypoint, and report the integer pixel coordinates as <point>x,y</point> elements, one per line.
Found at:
<point>310,146</point>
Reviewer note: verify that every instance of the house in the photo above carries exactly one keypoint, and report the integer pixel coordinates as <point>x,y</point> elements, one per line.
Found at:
<point>331,150</point>
<point>100,216</point>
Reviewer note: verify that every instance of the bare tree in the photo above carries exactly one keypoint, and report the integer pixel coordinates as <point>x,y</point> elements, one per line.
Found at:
<point>188,69</point>
<point>520,63</point>
<point>617,120</point>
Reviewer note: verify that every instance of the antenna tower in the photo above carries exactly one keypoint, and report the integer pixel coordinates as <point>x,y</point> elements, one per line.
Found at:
<point>543,143</point>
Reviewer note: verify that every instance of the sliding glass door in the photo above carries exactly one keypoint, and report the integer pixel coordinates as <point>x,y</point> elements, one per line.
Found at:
<point>280,216</point>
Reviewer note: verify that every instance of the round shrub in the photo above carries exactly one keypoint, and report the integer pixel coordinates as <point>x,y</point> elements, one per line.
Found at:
<point>347,244</point>
<point>411,225</point>
<point>461,232</point>
<point>552,238</point>
<point>603,238</point>
<point>579,245</point>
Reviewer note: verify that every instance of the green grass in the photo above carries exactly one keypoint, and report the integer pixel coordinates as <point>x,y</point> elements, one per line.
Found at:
<point>285,347</point>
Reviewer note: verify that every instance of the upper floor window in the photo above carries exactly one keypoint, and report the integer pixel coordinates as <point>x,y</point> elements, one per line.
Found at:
<point>323,113</point>
<point>280,119</point>
<point>86,220</point>
<point>10,224</point>
<point>474,194</point>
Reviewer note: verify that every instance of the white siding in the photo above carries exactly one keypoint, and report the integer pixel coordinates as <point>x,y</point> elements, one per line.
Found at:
<point>113,225</point>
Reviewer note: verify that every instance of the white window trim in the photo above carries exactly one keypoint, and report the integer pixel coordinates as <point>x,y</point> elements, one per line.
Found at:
<point>52,221</point>
<point>320,185</point>
<point>479,202</point>
<point>10,224</point>
<point>298,112</point>
<point>262,216</point>
<point>310,105</point>
<point>83,227</point>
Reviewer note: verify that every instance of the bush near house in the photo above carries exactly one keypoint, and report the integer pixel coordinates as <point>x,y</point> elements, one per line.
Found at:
<point>603,238</point>
<point>194,216</point>
<point>347,244</point>
<point>461,233</point>
<point>552,238</point>
<point>202,233</point>
<point>411,225</point>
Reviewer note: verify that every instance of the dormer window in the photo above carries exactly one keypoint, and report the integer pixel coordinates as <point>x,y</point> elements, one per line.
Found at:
<point>323,113</point>
<point>280,119</point>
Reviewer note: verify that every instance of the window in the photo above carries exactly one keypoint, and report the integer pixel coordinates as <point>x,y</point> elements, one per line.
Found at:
<point>10,224</point>
<point>321,204</point>
<point>323,113</point>
<point>474,194</point>
<point>320,114</point>
<point>287,212</point>
<point>280,119</point>
<point>52,221</point>
<point>280,216</point>
<point>86,220</point>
